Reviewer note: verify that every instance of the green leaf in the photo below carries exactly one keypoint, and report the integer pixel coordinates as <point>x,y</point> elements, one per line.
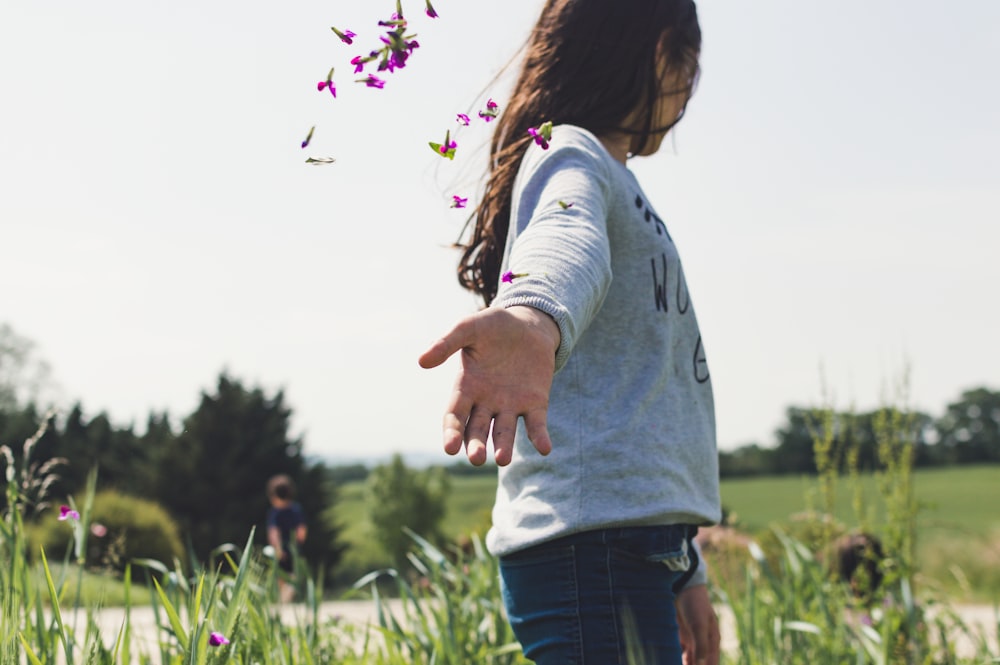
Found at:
<point>175,620</point>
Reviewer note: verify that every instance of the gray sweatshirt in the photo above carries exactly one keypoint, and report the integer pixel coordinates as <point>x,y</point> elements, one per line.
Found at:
<point>631,414</point>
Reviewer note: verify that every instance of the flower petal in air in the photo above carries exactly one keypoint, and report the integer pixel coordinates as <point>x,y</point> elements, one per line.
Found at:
<point>217,639</point>
<point>463,119</point>
<point>67,513</point>
<point>430,9</point>
<point>346,36</point>
<point>373,82</point>
<point>458,202</point>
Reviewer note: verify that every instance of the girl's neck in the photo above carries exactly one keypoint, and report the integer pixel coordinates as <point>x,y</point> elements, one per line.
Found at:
<point>617,145</point>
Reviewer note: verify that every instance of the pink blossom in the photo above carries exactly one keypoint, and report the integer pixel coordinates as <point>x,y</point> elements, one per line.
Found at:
<point>463,119</point>
<point>347,36</point>
<point>458,201</point>
<point>373,82</point>
<point>67,513</point>
<point>508,277</point>
<point>98,529</point>
<point>217,639</point>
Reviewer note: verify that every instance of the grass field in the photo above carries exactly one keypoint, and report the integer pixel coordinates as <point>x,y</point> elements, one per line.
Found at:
<point>958,524</point>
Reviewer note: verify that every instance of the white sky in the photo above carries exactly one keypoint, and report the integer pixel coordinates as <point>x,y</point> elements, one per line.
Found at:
<point>834,190</point>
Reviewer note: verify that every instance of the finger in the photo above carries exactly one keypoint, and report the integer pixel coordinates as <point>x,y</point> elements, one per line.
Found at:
<point>454,340</point>
<point>456,417</point>
<point>536,427</point>
<point>477,432</point>
<point>706,637</point>
<point>504,428</point>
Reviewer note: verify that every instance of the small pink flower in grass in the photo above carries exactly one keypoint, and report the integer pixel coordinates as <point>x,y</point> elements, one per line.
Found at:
<point>491,112</point>
<point>327,85</point>
<point>346,36</point>
<point>430,9</point>
<point>309,136</point>
<point>542,135</point>
<point>509,277</point>
<point>458,202</point>
<point>463,119</point>
<point>372,81</point>
<point>98,529</point>
<point>67,513</point>
<point>217,639</point>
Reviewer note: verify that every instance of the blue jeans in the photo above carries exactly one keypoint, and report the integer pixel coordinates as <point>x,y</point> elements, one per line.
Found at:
<point>601,597</point>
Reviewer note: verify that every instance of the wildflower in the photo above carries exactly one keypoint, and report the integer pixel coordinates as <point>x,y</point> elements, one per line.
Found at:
<point>359,63</point>
<point>446,149</point>
<point>565,206</point>
<point>309,136</point>
<point>346,36</point>
<point>508,277</point>
<point>65,513</point>
<point>542,135</point>
<point>463,119</point>
<point>328,84</point>
<point>98,529</point>
<point>458,201</point>
<point>491,112</point>
<point>430,9</point>
<point>372,82</point>
<point>217,639</point>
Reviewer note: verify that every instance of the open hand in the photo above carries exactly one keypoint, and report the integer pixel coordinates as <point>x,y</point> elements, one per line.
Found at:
<point>507,363</point>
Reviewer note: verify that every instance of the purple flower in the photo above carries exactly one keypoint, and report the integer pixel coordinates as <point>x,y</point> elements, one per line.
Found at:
<point>463,119</point>
<point>359,63</point>
<point>326,85</point>
<point>346,36</point>
<point>373,82</point>
<point>445,149</point>
<point>542,135</point>
<point>67,513</point>
<point>508,277</point>
<point>491,112</point>
<point>539,139</point>
<point>217,639</point>
<point>458,201</point>
<point>866,619</point>
<point>430,9</point>
<point>309,136</point>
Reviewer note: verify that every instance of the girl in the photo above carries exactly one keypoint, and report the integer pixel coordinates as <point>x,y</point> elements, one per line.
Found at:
<point>589,349</point>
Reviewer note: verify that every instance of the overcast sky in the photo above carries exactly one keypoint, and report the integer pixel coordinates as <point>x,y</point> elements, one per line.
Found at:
<point>834,191</point>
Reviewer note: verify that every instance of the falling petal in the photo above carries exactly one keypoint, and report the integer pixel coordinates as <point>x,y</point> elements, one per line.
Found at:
<point>309,136</point>
<point>458,202</point>
<point>463,119</point>
<point>430,10</point>
<point>217,639</point>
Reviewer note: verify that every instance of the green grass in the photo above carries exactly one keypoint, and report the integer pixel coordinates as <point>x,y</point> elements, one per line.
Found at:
<point>958,524</point>
<point>952,500</point>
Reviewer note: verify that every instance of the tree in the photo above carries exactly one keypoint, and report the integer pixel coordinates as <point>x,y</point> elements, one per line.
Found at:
<point>23,377</point>
<point>970,428</point>
<point>213,474</point>
<point>403,497</point>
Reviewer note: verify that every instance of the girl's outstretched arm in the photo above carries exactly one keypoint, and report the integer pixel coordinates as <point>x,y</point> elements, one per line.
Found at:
<point>507,363</point>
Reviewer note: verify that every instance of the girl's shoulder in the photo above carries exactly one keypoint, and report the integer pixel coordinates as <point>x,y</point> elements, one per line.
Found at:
<point>570,142</point>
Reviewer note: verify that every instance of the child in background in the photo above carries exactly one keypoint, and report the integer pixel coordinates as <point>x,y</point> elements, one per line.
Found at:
<point>286,530</point>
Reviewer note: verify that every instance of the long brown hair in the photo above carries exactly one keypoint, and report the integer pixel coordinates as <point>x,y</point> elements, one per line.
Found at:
<point>589,63</point>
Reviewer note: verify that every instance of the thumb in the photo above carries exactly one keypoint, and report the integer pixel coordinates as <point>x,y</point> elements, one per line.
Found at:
<point>454,340</point>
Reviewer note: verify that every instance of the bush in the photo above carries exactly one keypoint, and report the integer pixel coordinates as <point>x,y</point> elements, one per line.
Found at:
<point>121,528</point>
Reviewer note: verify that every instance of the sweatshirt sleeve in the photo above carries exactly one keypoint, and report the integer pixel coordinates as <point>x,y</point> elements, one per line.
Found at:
<point>557,247</point>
